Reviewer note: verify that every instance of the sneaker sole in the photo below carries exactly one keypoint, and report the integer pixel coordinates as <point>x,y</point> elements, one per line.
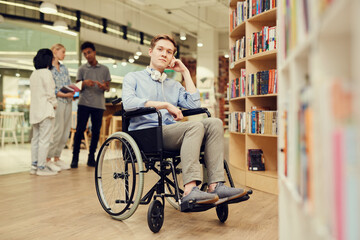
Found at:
<point>222,200</point>
<point>209,201</point>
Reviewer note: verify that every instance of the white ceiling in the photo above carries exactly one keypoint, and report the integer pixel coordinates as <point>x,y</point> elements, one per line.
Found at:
<point>187,15</point>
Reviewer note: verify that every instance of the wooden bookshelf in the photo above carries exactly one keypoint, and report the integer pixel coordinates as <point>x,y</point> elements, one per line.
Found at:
<point>239,143</point>
<point>318,110</point>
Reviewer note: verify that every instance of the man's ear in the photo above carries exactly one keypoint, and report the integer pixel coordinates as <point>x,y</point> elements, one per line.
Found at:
<point>150,51</point>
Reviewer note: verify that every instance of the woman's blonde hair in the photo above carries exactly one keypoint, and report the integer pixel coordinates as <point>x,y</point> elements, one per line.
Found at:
<point>57,46</point>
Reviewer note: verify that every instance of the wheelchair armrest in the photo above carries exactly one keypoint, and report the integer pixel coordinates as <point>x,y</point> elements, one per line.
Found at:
<point>116,101</point>
<point>195,111</point>
<point>140,112</point>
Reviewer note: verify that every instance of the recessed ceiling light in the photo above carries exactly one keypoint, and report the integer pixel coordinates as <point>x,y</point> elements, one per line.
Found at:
<point>13,38</point>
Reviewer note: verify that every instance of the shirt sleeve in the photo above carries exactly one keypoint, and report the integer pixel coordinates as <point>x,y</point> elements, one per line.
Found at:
<point>129,97</point>
<point>50,87</point>
<point>57,87</point>
<point>79,75</point>
<point>108,76</point>
<point>188,100</point>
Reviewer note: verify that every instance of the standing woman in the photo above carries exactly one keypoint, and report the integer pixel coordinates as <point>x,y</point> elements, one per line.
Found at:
<point>42,105</point>
<point>63,112</point>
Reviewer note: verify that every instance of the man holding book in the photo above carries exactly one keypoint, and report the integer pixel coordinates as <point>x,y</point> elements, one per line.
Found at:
<point>95,80</point>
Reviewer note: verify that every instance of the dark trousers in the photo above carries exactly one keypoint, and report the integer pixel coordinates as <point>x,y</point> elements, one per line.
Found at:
<point>83,115</point>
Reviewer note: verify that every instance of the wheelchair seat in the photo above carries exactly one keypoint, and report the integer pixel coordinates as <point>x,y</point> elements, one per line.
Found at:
<point>126,156</point>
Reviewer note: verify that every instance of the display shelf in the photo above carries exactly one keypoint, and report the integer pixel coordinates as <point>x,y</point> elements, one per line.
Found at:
<point>318,153</point>
<point>239,143</point>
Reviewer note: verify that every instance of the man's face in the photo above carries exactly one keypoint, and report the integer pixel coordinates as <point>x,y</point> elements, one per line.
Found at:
<point>89,54</point>
<point>162,54</point>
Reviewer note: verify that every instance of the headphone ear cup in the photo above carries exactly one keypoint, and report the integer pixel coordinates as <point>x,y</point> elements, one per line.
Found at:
<point>155,75</point>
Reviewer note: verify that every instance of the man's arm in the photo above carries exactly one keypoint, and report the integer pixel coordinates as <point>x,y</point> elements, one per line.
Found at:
<point>178,66</point>
<point>174,111</point>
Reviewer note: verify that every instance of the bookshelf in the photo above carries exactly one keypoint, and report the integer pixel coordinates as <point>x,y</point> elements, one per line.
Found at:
<point>242,139</point>
<point>318,104</point>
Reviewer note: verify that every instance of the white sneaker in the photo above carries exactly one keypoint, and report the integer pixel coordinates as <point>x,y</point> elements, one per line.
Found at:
<point>45,172</point>
<point>63,165</point>
<point>33,170</point>
<point>53,166</point>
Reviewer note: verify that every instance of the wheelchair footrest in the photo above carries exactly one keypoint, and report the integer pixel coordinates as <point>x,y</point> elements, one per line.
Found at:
<point>241,199</point>
<point>194,207</point>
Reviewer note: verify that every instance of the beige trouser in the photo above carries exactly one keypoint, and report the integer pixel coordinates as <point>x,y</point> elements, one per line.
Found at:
<point>61,129</point>
<point>188,137</point>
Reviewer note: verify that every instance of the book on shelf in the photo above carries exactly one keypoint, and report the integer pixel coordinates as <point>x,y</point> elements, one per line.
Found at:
<point>71,88</point>
<point>262,82</point>
<point>238,51</point>
<point>256,161</point>
<point>237,85</point>
<point>262,121</point>
<point>264,40</point>
<point>237,122</point>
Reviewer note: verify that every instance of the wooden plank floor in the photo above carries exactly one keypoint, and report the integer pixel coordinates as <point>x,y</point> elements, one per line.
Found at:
<point>66,207</point>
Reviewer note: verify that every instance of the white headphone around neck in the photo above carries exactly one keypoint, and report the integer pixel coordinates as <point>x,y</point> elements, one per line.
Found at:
<point>156,75</point>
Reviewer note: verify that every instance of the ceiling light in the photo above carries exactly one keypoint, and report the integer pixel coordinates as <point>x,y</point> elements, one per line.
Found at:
<point>136,57</point>
<point>47,7</point>
<point>2,19</point>
<point>61,25</point>
<point>131,60</point>
<point>115,65</point>
<point>13,38</point>
<point>138,52</point>
<point>200,44</point>
<point>17,74</point>
<point>226,55</point>
<point>182,36</point>
<point>123,63</point>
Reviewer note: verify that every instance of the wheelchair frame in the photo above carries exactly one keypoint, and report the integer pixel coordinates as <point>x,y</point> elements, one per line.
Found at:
<point>139,148</point>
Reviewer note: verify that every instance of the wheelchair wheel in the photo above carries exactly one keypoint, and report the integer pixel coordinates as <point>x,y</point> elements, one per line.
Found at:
<point>222,211</point>
<point>155,216</point>
<point>119,176</point>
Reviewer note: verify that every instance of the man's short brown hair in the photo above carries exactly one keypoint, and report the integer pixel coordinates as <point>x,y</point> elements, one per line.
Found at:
<point>165,37</point>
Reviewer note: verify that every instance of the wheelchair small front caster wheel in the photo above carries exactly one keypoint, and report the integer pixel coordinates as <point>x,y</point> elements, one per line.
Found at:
<point>222,212</point>
<point>155,216</point>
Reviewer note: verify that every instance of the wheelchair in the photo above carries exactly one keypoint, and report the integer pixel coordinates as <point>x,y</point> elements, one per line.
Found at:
<point>126,156</point>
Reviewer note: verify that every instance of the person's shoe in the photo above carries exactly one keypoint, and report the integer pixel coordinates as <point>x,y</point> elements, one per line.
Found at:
<point>199,197</point>
<point>91,161</point>
<point>33,170</point>
<point>63,165</point>
<point>45,172</point>
<point>53,166</point>
<point>74,162</point>
<point>226,193</point>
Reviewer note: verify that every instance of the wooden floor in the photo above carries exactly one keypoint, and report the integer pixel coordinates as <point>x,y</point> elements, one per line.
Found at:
<point>66,207</point>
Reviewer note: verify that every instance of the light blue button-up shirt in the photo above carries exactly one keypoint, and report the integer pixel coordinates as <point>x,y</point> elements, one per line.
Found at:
<point>61,78</point>
<point>138,88</point>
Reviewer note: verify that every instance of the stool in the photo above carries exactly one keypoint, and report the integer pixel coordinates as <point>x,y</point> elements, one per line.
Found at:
<point>8,122</point>
<point>115,124</point>
<point>104,131</point>
<point>73,131</point>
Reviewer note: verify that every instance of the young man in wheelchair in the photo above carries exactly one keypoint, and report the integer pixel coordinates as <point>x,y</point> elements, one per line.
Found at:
<point>152,88</point>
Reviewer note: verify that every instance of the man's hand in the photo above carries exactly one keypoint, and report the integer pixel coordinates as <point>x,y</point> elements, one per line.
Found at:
<point>177,65</point>
<point>88,83</point>
<point>103,86</point>
<point>175,112</point>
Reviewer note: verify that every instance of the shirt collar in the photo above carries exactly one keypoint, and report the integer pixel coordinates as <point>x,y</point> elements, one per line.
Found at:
<point>89,66</point>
